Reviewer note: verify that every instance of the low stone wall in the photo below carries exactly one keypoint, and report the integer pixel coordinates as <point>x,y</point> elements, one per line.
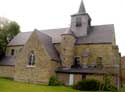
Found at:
<point>7,71</point>
<point>63,78</point>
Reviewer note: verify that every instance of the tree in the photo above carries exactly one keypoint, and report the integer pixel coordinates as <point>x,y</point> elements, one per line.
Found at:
<point>7,33</point>
<point>12,29</point>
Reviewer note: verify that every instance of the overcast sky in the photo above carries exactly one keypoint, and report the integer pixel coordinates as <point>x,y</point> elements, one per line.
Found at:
<point>48,14</point>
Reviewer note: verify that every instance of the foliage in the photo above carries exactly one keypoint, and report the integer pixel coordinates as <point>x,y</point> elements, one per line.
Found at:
<point>94,85</point>
<point>87,85</point>
<point>7,85</point>
<point>110,88</point>
<point>107,86</point>
<point>54,82</point>
<point>7,32</point>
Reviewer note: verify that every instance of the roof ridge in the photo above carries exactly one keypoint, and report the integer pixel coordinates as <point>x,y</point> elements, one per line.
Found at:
<point>53,29</point>
<point>43,33</point>
<point>102,25</point>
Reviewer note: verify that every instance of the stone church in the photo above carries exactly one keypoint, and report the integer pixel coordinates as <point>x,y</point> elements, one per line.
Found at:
<point>80,51</point>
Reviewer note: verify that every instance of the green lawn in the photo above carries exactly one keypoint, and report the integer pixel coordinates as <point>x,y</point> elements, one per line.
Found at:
<point>7,85</point>
<point>122,89</point>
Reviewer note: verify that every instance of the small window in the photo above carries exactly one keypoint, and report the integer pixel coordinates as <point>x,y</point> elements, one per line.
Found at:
<point>12,52</point>
<point>31,61</point>
<point>78,22</point>
<point>76,63</point>
<point>99,63</point>
<point>77,60</point>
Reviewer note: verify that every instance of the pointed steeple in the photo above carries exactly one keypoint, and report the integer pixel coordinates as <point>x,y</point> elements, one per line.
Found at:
<point>82,8</point>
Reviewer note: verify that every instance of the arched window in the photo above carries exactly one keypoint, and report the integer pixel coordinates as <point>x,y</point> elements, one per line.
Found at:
<point>12,52</point>
<point>31,61</point>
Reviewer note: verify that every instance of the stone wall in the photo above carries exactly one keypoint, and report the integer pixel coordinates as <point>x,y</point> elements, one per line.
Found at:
<point>42,70</point>
<point>77,78</point>
<point>95,50</point>
<point>63,78</point>
<point>95,76</point>
<point>7,71</point>
<point>67,49</point>
<point>17,50</point>
<point>109,54</point>
<point>123,69</point>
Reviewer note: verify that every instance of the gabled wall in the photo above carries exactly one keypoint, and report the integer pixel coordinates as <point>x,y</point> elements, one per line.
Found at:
<point>41,71</point>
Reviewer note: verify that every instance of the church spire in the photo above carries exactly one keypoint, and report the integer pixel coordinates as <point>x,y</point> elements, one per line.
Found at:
<point>82,8</point>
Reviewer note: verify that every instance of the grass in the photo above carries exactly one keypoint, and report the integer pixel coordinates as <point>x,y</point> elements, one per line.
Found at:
<point>122,89</point>
<point>7,85</point>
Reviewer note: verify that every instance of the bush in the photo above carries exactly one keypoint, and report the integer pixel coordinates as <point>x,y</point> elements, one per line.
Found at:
<point>93,85</point>
<point>110,88</point>
<point>87,85</point>
<point>107,86</point>
<point>54,82</point>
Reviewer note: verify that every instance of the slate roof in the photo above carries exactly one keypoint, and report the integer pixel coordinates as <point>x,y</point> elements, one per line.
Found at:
<point>20,39</point>
<point>7,61</point>
<point>47,42</point>
<point>96,34</point>
<point>55,34</point>
<point>80,70</point>
<point>82,8</point>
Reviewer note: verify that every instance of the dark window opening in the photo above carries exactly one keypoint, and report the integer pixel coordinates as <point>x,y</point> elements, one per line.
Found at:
<point>83,77</point>
<point>76,63</point>
<point>31,59</point>
<point>12,52</point>
<point>78,22</point>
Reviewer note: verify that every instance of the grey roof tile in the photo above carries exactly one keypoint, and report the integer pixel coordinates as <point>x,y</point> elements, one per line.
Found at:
<point>8,61</point>
<point>48,45</point>
<point>97,34</point>
<point>20,39</point>
<point>80,70</point>
<point>55,34</point>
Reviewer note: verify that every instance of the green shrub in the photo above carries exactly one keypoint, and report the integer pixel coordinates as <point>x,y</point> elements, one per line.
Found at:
<point>93,85</point>
<point>87,85</point>
<point>110,88</point>
<point>107,86</point>
<point>54,82</point>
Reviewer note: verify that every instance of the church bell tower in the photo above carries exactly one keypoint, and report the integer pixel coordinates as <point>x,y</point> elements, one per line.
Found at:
<point>80,22</point>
